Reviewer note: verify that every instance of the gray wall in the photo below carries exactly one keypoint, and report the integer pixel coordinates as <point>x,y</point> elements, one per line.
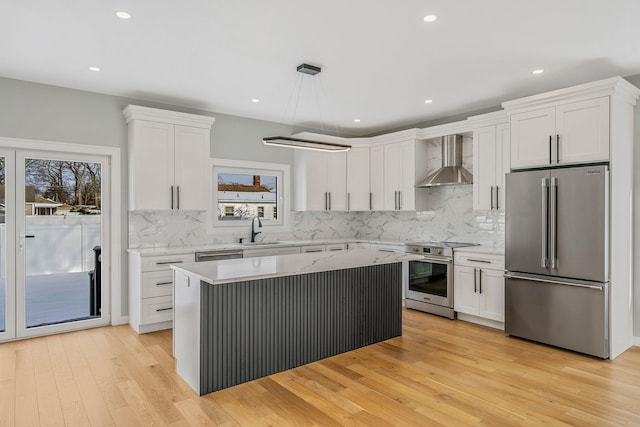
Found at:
<point>50,113</point>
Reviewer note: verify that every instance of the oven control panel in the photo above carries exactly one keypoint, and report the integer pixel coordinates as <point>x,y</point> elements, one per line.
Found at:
<point>425,250</point>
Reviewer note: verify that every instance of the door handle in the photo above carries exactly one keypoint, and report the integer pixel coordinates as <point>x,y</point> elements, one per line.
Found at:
<point>329,200</point>
<point>370,201</point>
<point>172,197</point>
<point>475,278</point>
<point>491,197</point>
<point>348,201</point>
<point>178,197</point>
<point>326,201</point>
<point>399,200</point>
<point>497,198</point>
<point>480,279</point>
<point>553,229</point>
<point>557,148</point>
<point>544,225</point>
<point>550,139</point>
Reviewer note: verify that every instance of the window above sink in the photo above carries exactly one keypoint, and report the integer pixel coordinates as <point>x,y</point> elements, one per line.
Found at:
<point>243,190</point>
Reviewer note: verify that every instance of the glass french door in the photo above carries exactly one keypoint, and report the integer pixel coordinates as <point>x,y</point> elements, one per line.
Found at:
<point>57,276</point>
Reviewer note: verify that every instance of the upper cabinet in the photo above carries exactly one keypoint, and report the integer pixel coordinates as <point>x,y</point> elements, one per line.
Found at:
<point>321,180</point>
<point>491,161</point>
<point>168,159</point>
<point>565,133</point>
<point>376,177</point>
<point>358,175</point>
<point>399,176</point>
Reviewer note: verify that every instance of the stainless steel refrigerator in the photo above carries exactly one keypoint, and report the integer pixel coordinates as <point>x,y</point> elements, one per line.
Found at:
<point>557,257</point>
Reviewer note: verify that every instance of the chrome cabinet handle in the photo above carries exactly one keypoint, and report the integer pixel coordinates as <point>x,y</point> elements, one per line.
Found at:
<point>553,229</point>
<point>544,227</point>
<point>479,260</point>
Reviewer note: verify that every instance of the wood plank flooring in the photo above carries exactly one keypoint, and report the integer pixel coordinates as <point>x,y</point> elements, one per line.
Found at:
<point>439,373</point>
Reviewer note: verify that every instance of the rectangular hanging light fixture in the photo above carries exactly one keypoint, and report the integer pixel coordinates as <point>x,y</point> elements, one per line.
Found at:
<point>305,144</point>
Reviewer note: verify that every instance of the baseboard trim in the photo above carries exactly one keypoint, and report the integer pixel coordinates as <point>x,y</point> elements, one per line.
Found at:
<point>122,320</point>
<point>636,341</point>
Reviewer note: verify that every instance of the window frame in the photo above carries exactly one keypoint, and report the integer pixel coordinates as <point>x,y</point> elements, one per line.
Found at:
<point>283,201</point>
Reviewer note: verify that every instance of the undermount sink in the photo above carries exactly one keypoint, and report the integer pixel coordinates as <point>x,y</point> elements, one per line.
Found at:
<point>260,243</point>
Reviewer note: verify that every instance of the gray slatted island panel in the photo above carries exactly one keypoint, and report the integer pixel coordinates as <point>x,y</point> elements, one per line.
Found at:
<point>255,328</point>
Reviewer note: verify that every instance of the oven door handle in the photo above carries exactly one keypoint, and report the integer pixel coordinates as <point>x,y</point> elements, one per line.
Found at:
<point>435,260</point>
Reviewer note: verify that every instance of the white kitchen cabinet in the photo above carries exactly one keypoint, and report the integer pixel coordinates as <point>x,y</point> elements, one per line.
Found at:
<point>479,288</point>
<point>168,159</point>
<point>399,176</point>
<point>491,161</point>
<point>321,181</point>
<point>567,133</point>
<point>151,290</point>
<point>358,175</point>
<point>376,177</point>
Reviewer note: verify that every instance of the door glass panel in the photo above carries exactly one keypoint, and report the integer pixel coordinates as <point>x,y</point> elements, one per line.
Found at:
<point>3,248</point>
<point>428,278</point>
<point>62,241</point>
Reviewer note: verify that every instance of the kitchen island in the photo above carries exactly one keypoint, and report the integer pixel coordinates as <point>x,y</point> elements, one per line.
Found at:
<point>241,319</point>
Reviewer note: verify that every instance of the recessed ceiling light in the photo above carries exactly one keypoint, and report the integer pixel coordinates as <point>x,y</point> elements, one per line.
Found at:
<point>356,120</point>
<point>430,18</point>
<point>123,15</point>
<point>428,101</point>
<point>538,71</point>
<point>255,100</point>
<point>94,68</point>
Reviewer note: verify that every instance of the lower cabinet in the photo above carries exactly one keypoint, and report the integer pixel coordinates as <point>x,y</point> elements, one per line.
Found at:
<point>479,288</point>
<point>151,290</point>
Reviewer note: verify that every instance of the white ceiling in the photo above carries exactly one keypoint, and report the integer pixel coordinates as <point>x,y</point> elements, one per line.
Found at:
<point>379,59</point>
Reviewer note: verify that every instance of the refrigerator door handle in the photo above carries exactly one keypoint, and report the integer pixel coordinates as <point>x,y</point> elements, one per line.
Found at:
<point>553,282</point>
<point>553,227</point>
<point>544,226</point>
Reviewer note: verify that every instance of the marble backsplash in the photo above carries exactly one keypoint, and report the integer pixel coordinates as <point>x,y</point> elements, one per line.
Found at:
<point>446,214</point>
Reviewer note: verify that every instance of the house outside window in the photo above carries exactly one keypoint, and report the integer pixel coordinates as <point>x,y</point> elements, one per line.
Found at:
<point>261,211</point>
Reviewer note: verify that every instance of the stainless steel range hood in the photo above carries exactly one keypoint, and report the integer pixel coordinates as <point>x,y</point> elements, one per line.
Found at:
<point>451,172</point>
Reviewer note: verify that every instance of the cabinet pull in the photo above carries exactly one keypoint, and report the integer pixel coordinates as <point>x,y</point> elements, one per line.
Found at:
<point>169,262</point>
<point>164,283</point>
<point>172,197</point>
<point>308,251</point>
<point>399,200</point>
<point>557,148</point>
<point>348,201</point>
<point>550,138</point>
<point>326,201</point>
<point>480,279</point>
<point>370,201</point>
<point>479,260</point>
<point>491,197</point>
<point>178,197</point>
<point>164,309</point>
<point>497,198</point>
<point>329,200</point>
<point>475,278</point>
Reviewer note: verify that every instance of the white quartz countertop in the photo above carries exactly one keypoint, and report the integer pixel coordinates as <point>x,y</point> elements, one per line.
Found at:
<point>482,249</point>
<point>177,250</point>
<point>243,269</point>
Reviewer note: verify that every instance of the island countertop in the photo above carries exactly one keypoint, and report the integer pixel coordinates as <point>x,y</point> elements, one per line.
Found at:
<point>243,269</point>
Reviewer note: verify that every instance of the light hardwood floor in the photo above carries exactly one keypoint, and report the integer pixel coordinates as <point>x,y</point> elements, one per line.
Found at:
<point>440,372</point>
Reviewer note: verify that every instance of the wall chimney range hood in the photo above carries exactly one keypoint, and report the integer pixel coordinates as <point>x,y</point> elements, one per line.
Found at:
<point>451,172</point>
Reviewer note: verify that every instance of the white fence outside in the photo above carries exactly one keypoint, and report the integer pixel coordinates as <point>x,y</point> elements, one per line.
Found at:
<point>61,244</point>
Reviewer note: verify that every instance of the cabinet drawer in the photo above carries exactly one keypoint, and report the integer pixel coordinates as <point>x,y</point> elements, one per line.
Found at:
<point>480,260</point>
<point>157,309</point>
<point>159,263</point>
<point>157,284</point>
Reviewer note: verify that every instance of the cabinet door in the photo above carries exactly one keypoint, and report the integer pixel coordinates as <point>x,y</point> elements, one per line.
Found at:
<point>312,179</point>
<point>583,131</point>
<point>191,168</point>
<point>336,179</point>
<point>503,162</point>
<point>465,290</point>
<point>358,179</point>
<point>530,138</point>
<point>391,176</point>
<point>407,172</point>
<point>492,296</point>
<point>376,174</point>
<point>484,168</point>
<point>151,165</point>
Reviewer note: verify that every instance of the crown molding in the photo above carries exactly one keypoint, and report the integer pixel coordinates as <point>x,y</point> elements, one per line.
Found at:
<point>137,112</point>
